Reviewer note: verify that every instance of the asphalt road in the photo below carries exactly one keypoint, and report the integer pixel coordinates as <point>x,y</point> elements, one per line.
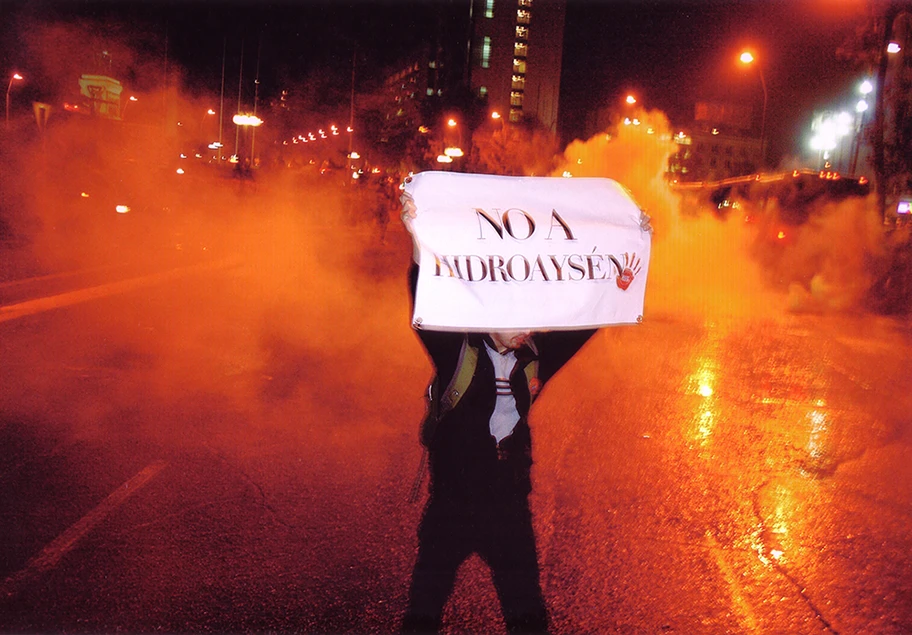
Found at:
<point>227,442</point>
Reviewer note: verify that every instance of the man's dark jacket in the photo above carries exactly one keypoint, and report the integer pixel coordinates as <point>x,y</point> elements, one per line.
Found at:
<point>467,464</point>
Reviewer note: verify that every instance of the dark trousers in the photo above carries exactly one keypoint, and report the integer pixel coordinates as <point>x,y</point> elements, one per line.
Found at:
<point>499,530</point>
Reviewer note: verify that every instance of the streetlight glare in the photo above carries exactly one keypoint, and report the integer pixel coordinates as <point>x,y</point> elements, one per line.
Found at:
<point>866,87</point>
<point>495,115</point>
<point>631,99</point>
<point>17,76</point>
<point>451,123</point>
<point>746,57</point>
<point>247,120</point>
<point>893,47</point>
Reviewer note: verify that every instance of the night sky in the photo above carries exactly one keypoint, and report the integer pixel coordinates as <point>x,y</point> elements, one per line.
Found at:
<point>670,53</point>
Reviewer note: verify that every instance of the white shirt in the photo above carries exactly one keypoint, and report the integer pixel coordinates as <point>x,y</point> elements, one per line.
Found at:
<point>505,415</point>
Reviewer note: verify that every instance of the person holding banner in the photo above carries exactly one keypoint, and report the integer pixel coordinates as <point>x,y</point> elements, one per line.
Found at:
<point>479,444</point>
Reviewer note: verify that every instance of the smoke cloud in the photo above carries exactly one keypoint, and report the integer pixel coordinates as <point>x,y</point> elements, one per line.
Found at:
<point>313,292</point>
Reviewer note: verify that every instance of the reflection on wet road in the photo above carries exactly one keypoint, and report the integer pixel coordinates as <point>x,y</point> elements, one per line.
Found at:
<point>696,474</point>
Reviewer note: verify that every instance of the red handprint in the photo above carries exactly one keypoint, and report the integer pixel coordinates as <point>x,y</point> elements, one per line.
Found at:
<point>630,270</point>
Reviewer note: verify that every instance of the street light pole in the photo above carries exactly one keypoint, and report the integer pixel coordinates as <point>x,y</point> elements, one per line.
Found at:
<point>15,77</point>
<point>747,58</point>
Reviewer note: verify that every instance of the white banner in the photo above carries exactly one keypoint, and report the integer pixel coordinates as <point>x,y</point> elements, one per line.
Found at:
<point>527,253</point>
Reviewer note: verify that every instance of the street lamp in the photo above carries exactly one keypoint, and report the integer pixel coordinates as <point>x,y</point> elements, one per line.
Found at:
<point>245,121</point>
<point>127,103</point>
<point>865,88</point>
<point>16,77</point>
<point>747,59</point>
<point>630,99</point>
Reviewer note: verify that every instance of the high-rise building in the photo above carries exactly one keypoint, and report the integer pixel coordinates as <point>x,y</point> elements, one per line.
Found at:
<point>515,53</point>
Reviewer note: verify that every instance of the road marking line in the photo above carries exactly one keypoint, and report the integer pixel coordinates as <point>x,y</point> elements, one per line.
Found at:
<point>741,605</point>
<point>39,305</point>
<point>53,276</point>
<point>64,543</point>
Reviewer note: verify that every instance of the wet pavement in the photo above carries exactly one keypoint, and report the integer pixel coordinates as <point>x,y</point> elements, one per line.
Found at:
<point>231,448</point>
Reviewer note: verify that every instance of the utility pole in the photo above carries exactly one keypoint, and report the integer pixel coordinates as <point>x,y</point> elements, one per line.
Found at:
<point>256,94</point>
<point>237,129</point>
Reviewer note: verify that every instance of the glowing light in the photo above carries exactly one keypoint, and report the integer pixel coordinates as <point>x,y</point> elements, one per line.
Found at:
<point>453,152</point>
<point>246,120</point>
<point>183,156</point>
<point>828,130</point>
<point>210,112</point>
<point>375,171</point>
<point>495,115</point>
<point>780,235</point>
<point>354,155</point>
<point>17,77</point>
<point>904,207</point>
<point>631,99</point>
<point>180,170</point>
<point>423,129</point>
<point>705,390</point>
<point>442,158</point>
<point>121,209</point>
<point>451,122</point>
<point>715,131</point>
<point>746,57</point>
<point>133,98</point>
<point>893,47</point>
<point>84,195</point>
<point>349,129</point>
<point>866,87</point>
<point>861,106</point>
<point>567,174</point>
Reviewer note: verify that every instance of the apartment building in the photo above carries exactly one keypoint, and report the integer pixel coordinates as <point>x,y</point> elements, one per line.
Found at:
<point>515,53</point>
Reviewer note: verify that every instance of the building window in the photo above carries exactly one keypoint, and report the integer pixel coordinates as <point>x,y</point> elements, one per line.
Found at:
<point>523,16</point>
<point>519,82</point>
<point>525,3</point>
<point>482,91</point>
<point>516,98</point>
<point>520,49</point>
<point>522,33</point>
<point>519,66</point>
<point>489,8</point>
<point>515,115</point>
<point>486,53</point>
<point>430,91</point>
